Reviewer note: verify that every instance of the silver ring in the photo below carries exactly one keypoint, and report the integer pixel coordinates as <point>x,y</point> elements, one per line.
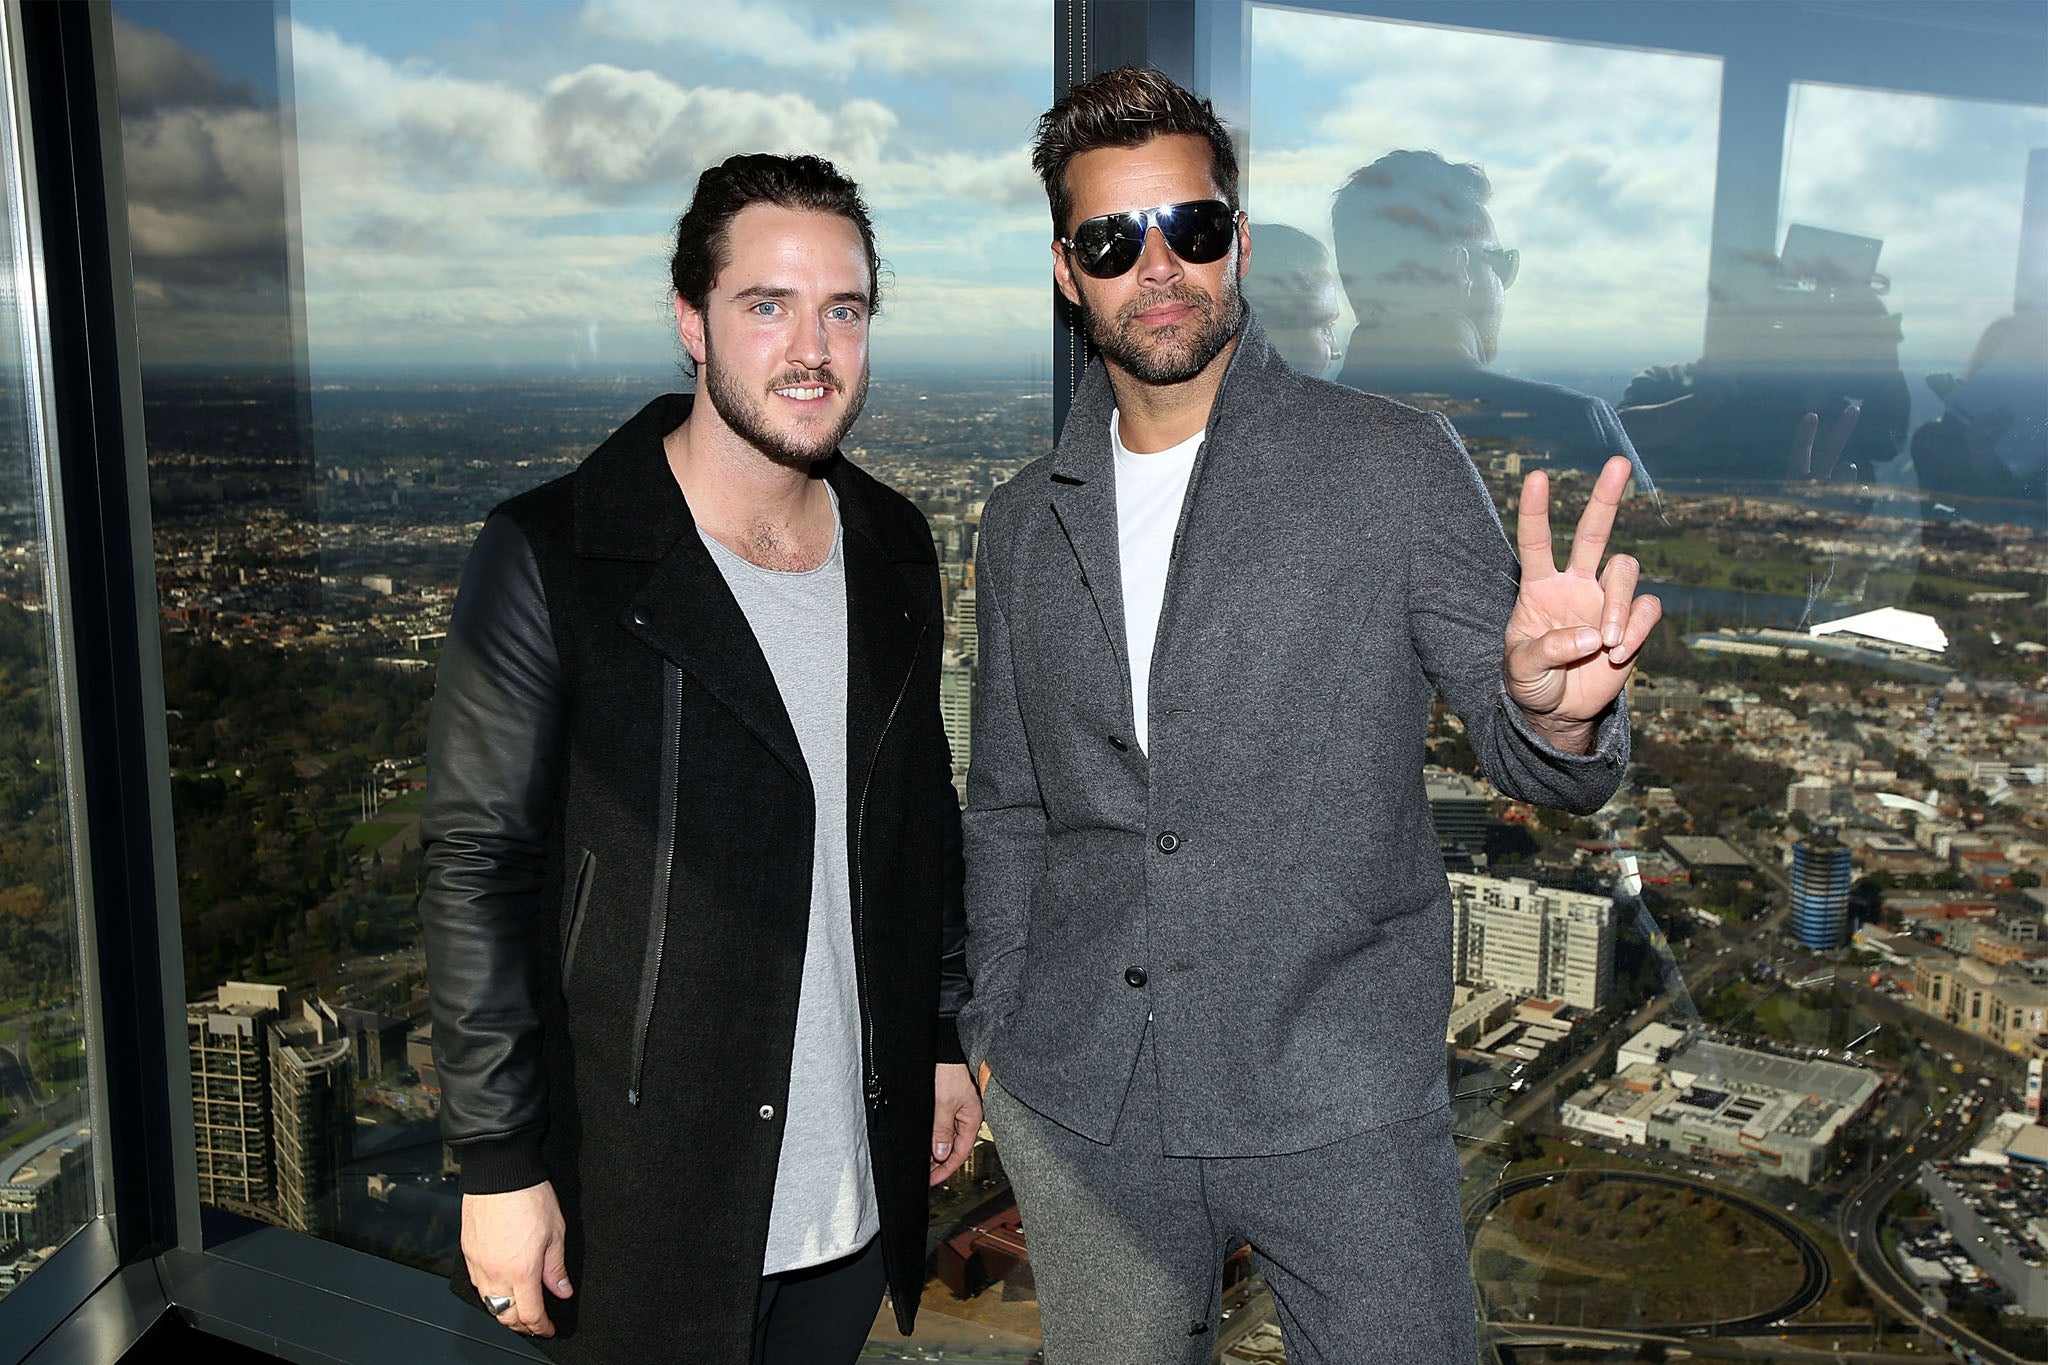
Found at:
<point>499,1304</point>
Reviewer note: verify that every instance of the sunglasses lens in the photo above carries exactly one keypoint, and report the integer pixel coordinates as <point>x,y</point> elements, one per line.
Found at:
<point>1198,232</point>
<point>1108,246</point>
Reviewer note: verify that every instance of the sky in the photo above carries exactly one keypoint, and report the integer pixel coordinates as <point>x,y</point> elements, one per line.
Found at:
<point>497,183</point>
<point>1602,161</point>
<point>494,182</point>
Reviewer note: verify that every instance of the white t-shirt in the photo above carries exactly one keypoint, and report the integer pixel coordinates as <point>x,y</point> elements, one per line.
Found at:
<point>824,1205</point>
<point>1150,489</point>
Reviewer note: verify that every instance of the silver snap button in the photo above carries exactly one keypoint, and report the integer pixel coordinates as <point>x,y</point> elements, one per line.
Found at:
<point>767,1111</point>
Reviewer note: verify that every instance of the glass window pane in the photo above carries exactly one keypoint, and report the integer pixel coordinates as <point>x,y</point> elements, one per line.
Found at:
<point>48,1188</point>
<point>1720,1025</point>
<point>394,267</point>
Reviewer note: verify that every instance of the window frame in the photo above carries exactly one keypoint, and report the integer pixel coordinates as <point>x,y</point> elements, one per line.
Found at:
<point>290,1294</point>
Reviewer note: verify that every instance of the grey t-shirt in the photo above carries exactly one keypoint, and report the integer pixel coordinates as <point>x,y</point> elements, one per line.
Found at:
<point>824,1186</point>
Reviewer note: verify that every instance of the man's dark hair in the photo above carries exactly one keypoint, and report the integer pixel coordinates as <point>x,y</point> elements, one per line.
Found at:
<point>811,183</point>
<point>1404,199</point>
<point>1127,107</point>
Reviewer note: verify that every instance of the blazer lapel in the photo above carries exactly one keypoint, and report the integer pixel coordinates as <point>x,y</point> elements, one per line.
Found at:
<point>687,614</point>
<point>884,633</point>
<point>629,508</point>
<point>1083,483</point>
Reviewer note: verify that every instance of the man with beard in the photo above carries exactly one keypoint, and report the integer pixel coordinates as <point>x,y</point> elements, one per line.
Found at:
<point>1209,929</point>
<point>692,850</point>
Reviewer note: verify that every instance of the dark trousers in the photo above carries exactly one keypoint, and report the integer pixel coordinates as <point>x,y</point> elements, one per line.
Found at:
<point>820,1315</point>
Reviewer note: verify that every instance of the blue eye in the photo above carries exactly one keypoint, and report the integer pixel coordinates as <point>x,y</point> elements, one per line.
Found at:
<point>844,313</point>
<point>765,308</point>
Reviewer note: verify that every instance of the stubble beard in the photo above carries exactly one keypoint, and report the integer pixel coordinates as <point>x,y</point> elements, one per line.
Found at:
<point>746,413</point>
<point>1176,354</point>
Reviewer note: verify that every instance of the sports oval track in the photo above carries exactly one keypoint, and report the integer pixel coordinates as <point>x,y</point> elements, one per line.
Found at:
<point>1813,1262</point>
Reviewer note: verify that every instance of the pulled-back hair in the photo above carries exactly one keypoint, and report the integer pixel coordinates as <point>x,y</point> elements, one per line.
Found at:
<point>809,183</point>
<point>1127,107</point>
<point>1405,203</point>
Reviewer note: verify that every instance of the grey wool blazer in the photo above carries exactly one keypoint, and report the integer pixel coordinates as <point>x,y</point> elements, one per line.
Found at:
<point>1264,885</point>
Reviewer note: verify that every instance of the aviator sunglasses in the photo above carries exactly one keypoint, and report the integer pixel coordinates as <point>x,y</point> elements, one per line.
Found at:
<point>1199,231</point>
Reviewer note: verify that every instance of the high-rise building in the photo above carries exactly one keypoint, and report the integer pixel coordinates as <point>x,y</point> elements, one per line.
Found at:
<point>1533,940</point>
<point>1820,890</point>
<point>229,1045</point>
<point>956,706</point>
<point>312,1095</point>
<point>965,627</point>
<point>314,1108</point>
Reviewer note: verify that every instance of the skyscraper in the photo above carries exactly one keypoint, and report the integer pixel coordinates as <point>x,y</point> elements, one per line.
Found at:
<point>273,1104</point>
<point>956,706</point>
<point>228,1039</point>
<point>312,1093</point>
<point>1820,890</point>
<point>966,622</point>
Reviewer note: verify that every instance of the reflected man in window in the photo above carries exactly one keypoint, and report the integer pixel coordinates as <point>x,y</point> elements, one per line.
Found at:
<point>1428,280</point>
<point>692,909</point>
<point>1292,290</point>
<point>1209,928</point>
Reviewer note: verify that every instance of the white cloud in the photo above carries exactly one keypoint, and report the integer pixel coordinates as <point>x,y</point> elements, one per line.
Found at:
<point>1609,198</point>
<point>612,130</point>
<point>442,211</point>
<point>924,38</point>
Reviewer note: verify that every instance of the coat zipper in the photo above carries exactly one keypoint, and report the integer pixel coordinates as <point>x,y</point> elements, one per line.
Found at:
<point>664,871</point>
<point>872,1085</point>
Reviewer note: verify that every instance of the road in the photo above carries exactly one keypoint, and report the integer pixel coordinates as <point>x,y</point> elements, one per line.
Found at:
<point>1813,1261</point>
<point>1940,1137</point>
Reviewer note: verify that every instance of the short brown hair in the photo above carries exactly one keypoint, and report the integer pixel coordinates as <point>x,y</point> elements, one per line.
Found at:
<point>1127,107</point>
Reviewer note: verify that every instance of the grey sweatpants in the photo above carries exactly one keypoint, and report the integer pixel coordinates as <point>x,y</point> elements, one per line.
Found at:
<point>1360,1241</point>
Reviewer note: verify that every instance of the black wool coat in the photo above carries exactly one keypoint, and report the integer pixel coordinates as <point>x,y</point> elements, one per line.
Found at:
<point>618,838</point>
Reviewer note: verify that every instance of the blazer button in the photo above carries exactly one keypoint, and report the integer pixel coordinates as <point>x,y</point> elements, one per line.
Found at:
<point>767,1111</point>
<point>1134,976</point>
<point>1117,744</point>
<point>1168,842</point>
<point>642,616</point>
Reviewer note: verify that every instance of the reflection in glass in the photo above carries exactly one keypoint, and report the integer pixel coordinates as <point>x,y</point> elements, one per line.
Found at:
<point>1705,1040</point>
<point>47,1183</point>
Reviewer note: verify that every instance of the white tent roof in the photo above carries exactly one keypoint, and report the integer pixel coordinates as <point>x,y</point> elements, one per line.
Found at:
<point>1915,630</point>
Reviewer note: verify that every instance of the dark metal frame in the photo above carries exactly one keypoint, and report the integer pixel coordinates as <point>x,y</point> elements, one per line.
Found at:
<point>296,1296</point>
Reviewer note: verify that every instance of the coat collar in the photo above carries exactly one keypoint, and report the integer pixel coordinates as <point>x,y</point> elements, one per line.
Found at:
<point>1083,469</point>
<point>628,507</point>
<point>1249,385</point>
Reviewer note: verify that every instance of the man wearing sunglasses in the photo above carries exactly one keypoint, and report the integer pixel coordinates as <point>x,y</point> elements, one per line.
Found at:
<point>1428,279</point>
<point>1208,924</point>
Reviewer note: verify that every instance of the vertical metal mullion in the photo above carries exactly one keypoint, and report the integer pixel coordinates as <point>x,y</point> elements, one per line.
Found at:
<point>31,290</point>
<point>134,975</point>
<point>1089,37</point>
<point>1070,30</point>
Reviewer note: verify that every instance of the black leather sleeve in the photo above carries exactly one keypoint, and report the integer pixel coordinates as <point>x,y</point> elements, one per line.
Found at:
<point>493,765</point>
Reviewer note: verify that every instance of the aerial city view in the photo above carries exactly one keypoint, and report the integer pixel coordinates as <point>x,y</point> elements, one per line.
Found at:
<point>1747,1064</point>
<point>1746,1051</point>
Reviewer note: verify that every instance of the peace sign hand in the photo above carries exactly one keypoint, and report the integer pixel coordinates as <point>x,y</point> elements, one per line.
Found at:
<point>1572,639</point>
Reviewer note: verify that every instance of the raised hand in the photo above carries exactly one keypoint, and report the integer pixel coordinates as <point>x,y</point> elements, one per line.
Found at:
<point>1572,639</point>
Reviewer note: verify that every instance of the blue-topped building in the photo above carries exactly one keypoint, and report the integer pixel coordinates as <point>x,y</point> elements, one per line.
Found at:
<point>1820,890</point>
